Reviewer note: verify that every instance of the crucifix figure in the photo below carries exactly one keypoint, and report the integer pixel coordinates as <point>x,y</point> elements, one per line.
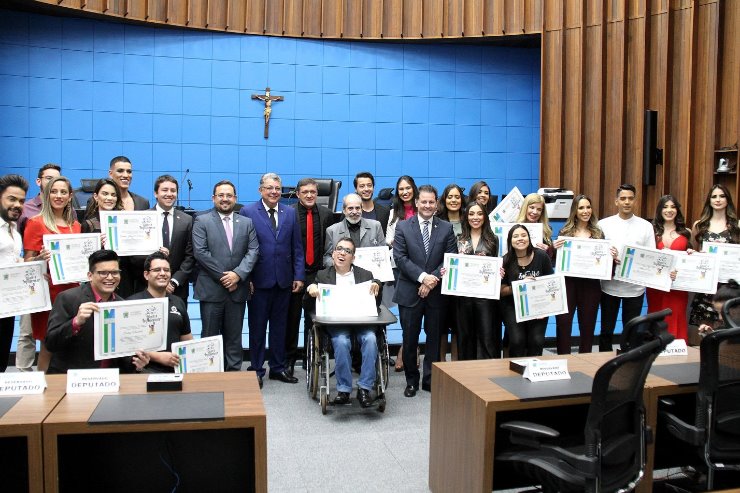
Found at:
<point>268,107</point>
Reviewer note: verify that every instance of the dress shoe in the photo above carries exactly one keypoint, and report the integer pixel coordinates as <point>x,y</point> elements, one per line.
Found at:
<point>410,391</point>
<point>342,399</point>
<point>363,396</point>
<point>282,376</point>
<point>290,367</point>
<point>426,387</point>
<point>259,379</point>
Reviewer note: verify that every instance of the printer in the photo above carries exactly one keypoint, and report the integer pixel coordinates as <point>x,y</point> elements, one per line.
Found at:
<point>557,202</point>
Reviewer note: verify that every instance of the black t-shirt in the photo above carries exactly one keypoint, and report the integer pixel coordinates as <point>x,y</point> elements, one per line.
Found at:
<point>539,266</point>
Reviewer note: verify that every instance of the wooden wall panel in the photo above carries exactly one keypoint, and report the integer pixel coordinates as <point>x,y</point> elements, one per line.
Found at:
<point>513,17</point>
<point>473,17</point>
<point>572,105</point>
<point>551,108</point>
<point>634,107</point>
<point>312,18</point>
<point>332,14</point>
<point>136,9</point>
<point>372,19</point>
<point>454,16</point>
<point>532,16</point>
<point>392,18</point>
<point>493,17</point>
<point>274,11</point>
<point>433,26</point>
<point>413,20</point>
<point>254,16</point>
<point>352,18</point>
<point>177,12</point>
<point>593,108</point>
<point>614,73</point>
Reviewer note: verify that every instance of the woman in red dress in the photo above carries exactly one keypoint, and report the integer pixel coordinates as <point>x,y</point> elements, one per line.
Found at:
<point>670,233</point>
<point>56,217</point>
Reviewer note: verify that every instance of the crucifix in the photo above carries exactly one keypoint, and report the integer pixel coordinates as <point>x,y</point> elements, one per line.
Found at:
<point>268,107</point>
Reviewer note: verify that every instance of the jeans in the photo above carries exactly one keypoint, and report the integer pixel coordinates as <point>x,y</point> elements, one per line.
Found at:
<point>341,340</point>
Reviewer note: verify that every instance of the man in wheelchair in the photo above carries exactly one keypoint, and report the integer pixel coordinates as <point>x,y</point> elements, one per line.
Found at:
<point>343,273</point>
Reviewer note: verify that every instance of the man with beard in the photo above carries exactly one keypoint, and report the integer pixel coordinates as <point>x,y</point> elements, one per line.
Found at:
<point>365,187</point>
<point>13,190</point>
<point>121,171</point>
<point>226,249</point>
<point>364,232</point>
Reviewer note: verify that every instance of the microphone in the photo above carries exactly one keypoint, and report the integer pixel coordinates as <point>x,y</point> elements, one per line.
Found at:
<point>190,187</point>
<point>182,179</point>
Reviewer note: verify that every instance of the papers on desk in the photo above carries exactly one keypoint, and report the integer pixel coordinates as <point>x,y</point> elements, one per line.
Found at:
<point>539,298</point>
<point>132,232</point>
<point>508,209</point>
<point>729,255</point>
<point>501,230</point>
<point>647,267</point>
<point>350,301</point>
<point>205,355</point>
<point>124,327</point>
<point>69,254</point>
<point>698,272</point>
<point>377,260</point>
<point>584,257</point>
<point>474,276</point>
<point>22,383</point>
<point>23,289</point>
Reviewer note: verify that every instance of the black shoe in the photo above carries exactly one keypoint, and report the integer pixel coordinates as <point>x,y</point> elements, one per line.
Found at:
<point>290,367</point>
<point>410,391</point>
<point>363,396</point>
<point>342,399</point>
<point>283,377</point>
<point>426,387</point>
<point>259,379</point>
<point>391,362</point>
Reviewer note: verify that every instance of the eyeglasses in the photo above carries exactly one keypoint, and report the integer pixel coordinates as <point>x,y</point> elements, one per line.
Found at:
<point>272,189</point>
<point>225,196</point>
<point>105,273</point>
<point>346,250</point>
<point>160,269</point>
<point>309,192</point>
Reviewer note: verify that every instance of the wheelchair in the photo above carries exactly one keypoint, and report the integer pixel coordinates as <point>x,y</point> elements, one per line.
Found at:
<point>319,351</point>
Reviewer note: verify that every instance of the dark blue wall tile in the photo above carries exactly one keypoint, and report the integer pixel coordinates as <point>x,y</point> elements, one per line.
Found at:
<point>77,125</point>
<point>41,62</point>
<point>15,90</point>
<point>77,65</point>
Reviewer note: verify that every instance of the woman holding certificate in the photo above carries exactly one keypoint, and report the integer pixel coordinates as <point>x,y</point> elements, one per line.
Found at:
<point>479,328</point>
<point>718,224</point>
<point>522,261</point>
<point>106,197</point>
<point>583,294</point>
<point>533,211</point>
<point>56,217</point>
<point>670,233</point>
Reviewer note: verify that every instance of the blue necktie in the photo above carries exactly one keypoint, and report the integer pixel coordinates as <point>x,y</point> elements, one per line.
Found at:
<point>425,236</point>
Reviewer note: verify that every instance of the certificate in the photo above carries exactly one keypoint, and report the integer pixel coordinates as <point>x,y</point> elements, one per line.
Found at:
<point>69,254</point>
<point>647,267</point>
<point>539,298</point>
<point>205,355</point>
<point>23,289</point>
<point>132,232</point>
<point>352,301</point>
<point>377,260</point>
<point>729,255</point>
<point>475,276</point>
<point>697,272</point>
<point>124,327</point>
<point>508,209</point>
<point>584,257</point>
<point>502,231</point>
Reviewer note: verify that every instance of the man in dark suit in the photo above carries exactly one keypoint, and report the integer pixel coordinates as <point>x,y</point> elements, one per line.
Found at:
<point>70,336</point>
<point>312,237</point>
<point>121,171</point>
<point>226,249</point>
<point>419,248</point>
<point>343,273</point>
<point>279,271</point>
<point>365,187</point>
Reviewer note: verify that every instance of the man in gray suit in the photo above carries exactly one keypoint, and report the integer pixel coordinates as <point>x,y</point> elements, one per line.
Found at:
<point>226,249</point>
<point>364,232</point>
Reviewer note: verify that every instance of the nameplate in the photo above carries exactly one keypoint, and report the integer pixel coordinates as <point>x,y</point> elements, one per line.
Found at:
<point>22,383</point>
<point>547,370</point>
<point>675,348</point>
<point>93,381</point>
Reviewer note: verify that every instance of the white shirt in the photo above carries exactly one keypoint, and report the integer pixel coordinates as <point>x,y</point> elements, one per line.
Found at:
<point>267,209</point>
<point>619,232</point>
<point>347,279</point>
<point>10,248</point>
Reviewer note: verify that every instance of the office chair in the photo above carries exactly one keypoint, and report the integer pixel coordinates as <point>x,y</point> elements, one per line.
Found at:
<point>611,454</point>
<point>328,192</point>
<point>643,329</point>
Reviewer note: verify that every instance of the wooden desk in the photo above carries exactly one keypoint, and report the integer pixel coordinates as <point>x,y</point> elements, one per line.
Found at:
<point>23,421</point>
<point>199,451</point>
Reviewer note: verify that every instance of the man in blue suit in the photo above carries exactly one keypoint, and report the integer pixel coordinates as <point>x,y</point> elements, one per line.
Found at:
<point>279,271</point>
<point>418,249</point>
<point>226,249</point>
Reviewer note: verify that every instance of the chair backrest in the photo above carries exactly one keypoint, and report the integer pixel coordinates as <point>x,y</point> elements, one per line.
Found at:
<point>615,426</point>
<point>328,192</point>
<point>643,329</point>
<point>731,312</point>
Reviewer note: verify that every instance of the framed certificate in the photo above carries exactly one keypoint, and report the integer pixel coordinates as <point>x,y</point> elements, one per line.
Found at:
<point>205,355</point>
<point>501,230</point>
<point>23,289</point>
<point>508,209</point>
<point>123,327</point>
<point>539,298</point>
<point>729,255</point>
<point>474,276</point>
<point>647,267</point>
<point>132,232</point>
<point>69,254</point>
<point>584,257</point>
<point>377,260</point>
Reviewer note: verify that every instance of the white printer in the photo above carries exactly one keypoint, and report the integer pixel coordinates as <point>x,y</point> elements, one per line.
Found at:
<point>557,202</point>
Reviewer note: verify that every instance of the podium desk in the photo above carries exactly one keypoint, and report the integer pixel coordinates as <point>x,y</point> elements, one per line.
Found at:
<point>21,437</point>
<point>228,454</point>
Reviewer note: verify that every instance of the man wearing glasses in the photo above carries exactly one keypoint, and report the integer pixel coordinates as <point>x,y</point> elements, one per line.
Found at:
<point>70,334</point>
<point>279,271</point>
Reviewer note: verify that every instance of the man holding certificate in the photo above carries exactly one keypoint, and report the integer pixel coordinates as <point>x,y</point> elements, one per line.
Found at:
<point>364,232</point>
<point>70,335</point>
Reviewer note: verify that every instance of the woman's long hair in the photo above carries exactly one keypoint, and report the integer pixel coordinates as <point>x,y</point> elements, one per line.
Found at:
<point>397,204</point>
<point>702,225</point>
<point>509,260</point>
<point>659,222</point>
<point>535,198</point>
<point>47,211</point>
<point>489,239</point>
<point>475,190</point>
<point>442,212</point>
<point>93,210</point>
<point>569,229</point>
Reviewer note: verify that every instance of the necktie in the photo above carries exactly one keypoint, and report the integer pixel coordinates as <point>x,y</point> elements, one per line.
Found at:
<point>273,219</point>
<point>425,236</point>
<point>227,228</point>
<point>165,231</point>
<point>309,237</point>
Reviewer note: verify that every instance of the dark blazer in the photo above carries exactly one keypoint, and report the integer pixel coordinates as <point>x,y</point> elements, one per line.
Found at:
<point>70,351</point>
<point>212,253</point>
<point>411,260</point>
<point>382,214</point>
<point>326,219</point>
<point>281,259</point>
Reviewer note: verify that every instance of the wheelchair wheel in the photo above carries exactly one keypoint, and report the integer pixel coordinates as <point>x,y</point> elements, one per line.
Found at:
<point>313,364</point>
<point>324,400</point>
<point>381,404</point>
<point>383,358</point>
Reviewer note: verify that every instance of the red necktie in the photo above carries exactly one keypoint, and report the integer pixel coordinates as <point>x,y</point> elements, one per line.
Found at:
<point>309,237</point>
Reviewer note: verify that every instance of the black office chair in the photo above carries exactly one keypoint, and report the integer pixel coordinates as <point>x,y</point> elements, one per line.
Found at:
<point>328,192</point>
<point>731,313</point>
<point>643,329</point>
<point>611,454</point>
<point>715,433</point>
